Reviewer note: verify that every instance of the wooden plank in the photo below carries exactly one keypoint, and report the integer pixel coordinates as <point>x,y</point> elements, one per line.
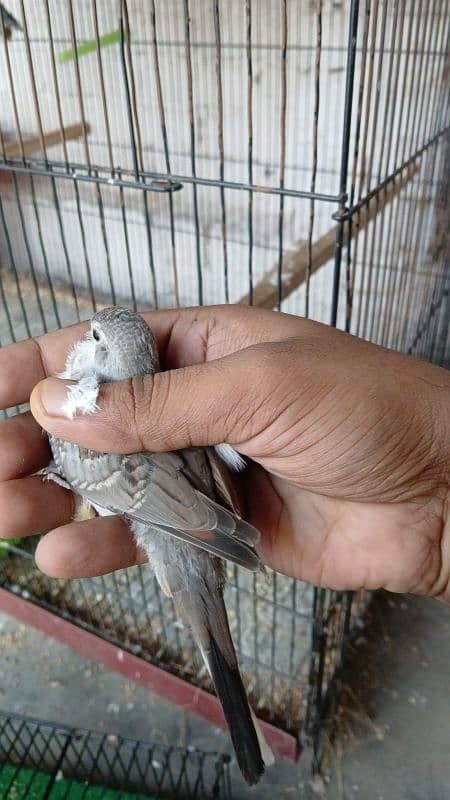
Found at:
<point>33,144</point>
<point>295,260</point>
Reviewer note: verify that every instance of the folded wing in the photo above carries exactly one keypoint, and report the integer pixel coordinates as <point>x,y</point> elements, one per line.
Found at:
<point>161,490</point>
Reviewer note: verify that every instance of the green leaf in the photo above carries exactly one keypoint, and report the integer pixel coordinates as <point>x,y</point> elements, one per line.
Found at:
<point>90,46</point>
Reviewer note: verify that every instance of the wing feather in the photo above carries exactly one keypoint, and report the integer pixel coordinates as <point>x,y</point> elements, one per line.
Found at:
<point>159,490</point>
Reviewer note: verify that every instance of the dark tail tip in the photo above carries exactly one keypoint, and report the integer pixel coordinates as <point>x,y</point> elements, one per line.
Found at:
<point>232,695</point>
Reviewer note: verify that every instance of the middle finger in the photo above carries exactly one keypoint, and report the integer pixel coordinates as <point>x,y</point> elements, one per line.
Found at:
<point>33,505</point>
<point>23,447</point>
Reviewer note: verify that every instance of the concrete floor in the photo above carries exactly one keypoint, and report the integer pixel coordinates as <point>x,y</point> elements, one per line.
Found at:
<point>393,728</point>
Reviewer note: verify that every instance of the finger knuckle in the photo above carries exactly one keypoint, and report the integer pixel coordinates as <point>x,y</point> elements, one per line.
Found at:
<point>11,514</point>
<point>4,507</point>
<point>135,398</point>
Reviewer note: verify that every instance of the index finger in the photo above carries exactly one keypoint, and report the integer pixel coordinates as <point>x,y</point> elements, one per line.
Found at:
<point>24,364</point>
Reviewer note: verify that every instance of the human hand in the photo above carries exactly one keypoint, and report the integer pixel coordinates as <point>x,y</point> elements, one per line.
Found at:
<point>349,482</point>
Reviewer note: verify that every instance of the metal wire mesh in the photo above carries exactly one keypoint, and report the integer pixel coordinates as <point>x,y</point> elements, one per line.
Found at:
<point>289,154</point>
<point>43,760</point>
<point>270,621</point>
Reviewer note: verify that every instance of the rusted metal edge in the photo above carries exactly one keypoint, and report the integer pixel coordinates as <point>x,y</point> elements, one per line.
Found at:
<point>180,692</point>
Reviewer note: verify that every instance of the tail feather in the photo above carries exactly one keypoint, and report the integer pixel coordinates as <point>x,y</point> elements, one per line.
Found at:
<point>201,605</point>
<point>232,695</point>
<point>267,755</point>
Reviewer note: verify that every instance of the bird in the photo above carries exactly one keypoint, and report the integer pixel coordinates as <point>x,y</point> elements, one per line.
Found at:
<point>182,507</point>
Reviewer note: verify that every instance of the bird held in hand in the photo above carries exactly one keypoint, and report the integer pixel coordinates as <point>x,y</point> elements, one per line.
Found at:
<point>182,508</point>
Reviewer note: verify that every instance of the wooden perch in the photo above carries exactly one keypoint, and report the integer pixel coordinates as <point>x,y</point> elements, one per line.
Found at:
<point>295,260</point>
<point>33,144</point>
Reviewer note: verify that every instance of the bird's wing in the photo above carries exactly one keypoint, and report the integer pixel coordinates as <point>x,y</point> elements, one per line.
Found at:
<point>226,483</point>
<point>160,490</point>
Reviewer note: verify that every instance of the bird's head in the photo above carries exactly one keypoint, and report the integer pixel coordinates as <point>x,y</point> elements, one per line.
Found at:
<point>121,345</point>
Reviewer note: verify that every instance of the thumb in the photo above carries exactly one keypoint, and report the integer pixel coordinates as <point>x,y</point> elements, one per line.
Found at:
<point>204,404</point>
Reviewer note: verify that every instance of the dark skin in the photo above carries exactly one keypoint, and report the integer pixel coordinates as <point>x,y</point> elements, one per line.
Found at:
<point>350,446</point>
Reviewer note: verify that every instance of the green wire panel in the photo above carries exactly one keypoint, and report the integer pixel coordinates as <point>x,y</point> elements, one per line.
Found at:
<point>46,761</point>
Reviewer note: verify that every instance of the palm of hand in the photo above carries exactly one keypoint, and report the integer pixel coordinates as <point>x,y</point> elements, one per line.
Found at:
<point>352,490</point>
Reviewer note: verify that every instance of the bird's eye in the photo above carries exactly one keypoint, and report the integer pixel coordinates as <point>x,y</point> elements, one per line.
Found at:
<point>96,335</point>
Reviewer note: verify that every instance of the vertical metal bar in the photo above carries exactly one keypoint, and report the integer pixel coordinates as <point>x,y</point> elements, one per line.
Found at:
<point>366,165</point>
<point>78,82</point>
<point>370,234</point>
<point>345,149</point>
<point>248,13</point>
<point>436,328</point>
<point>44,151</point>
<point>293,667</point>
<point>349,273</point>
<point>283,105</point>
<point>409,285</point>
<point>102,84</point>
<point>442,66</point>
<point>134,152</point>
<point>63,143</point>
<point>138,140</point>
<point>162,117</point>
<point>16,280</point>
<point>441,349</point>
<point>392,90</point>
<point>218,38</point>
<point>383,270</point>
<point>441,201</point>
<point>439,105</point>
<point>426,286</point>
<point>126,85</point>
<point>378,228</point>
<point>16,187</point>
<point>4,301</point>
<point>132,604</point>
<point>315,677</point>
<point>88,161</point>
<point>440,161</point>
<point>255,634</point>
<point>127,244</point>
<point>12,262</point>
<point>187,30</point>
<point>109,147</point>
<point>274,639</point>
<point>318,53</point>
<point>391,258</point>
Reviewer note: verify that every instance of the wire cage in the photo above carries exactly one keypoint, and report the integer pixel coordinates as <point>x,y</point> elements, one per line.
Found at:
<point>44,760</point>
<point>277,629</point>
<point>291,154</point>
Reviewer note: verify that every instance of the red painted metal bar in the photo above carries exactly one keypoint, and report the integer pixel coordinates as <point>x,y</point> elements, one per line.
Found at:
<point>178,691</point>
